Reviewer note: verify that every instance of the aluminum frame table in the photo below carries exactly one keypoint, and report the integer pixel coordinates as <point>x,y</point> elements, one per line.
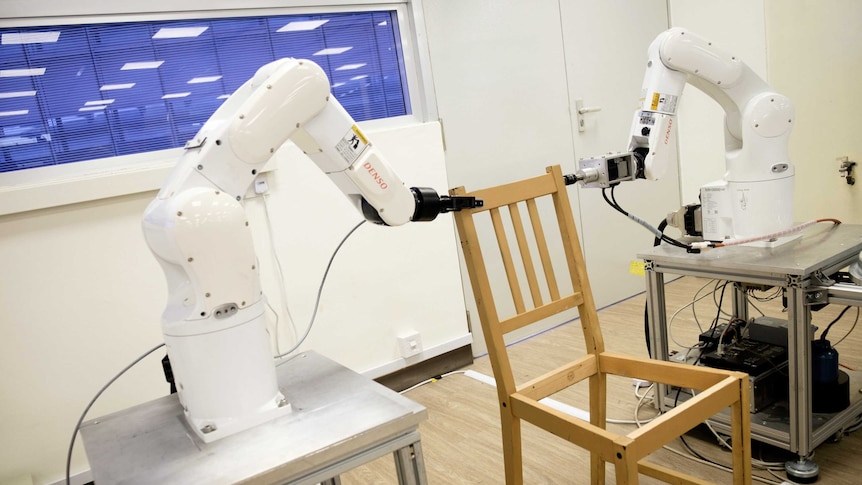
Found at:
<point>339,420</point>
<point>800,267</point>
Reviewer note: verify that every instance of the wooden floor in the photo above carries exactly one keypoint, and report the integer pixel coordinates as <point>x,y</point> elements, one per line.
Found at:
<point>461,439</point>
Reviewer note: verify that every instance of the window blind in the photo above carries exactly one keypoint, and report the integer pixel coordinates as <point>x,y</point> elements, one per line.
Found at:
<point>82,92</point>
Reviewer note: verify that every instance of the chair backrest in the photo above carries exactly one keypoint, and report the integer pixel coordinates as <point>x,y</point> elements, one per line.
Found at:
<point>512,198</point>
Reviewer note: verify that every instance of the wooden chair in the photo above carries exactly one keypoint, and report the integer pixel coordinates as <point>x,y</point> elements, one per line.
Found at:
<point>719,389</point>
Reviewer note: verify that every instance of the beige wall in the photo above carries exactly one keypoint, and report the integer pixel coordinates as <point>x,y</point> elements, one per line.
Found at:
<point>810,51</point>
<point>815,58</point>
<point>737,27</point>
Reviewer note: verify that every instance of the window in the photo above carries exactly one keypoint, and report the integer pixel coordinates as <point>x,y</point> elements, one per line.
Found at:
<point>83,92</point>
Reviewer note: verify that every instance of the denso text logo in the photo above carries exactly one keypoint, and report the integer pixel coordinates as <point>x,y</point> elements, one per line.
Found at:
<point>667,133</point>
<point>377,178</point>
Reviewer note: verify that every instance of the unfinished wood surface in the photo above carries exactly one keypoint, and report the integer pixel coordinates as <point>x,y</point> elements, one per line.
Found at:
<point>461,438</point>
<point>559,378</point>
<point>624,451</point>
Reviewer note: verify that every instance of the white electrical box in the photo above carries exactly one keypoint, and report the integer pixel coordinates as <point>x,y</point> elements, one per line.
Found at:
<point>410,344</point>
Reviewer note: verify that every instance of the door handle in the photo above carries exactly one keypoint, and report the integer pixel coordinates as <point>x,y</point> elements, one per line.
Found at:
<point>581,111</point>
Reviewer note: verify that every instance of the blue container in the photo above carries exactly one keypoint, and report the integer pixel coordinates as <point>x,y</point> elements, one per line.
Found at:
<point>824,362</point>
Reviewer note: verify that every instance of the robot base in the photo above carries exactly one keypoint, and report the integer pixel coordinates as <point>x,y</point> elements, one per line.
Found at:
<point>212,430</point>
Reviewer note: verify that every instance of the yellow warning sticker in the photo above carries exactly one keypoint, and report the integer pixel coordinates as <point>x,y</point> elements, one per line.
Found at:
<point>359,134</point>
<point>637,268</point>
<point>655,99</point>
<point>352,145</point>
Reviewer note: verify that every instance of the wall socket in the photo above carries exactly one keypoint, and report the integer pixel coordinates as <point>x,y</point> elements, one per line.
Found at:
<point>410,344</point>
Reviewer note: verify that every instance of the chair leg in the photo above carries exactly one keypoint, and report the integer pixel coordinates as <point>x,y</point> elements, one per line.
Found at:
<point>598,411</point>
<point>741,435</point>
<point>511,427</point>
<point>626,467</point>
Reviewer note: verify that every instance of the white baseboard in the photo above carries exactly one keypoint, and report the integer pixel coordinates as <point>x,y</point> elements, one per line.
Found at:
<point>401,363</point>
<point>81,478</point>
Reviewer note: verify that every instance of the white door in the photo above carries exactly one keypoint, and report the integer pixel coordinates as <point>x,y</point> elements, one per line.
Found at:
<point>506,76</point>
<point>605,47</point>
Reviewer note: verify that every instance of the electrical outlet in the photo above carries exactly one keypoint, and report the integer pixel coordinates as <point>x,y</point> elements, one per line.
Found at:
<point>410,344</point>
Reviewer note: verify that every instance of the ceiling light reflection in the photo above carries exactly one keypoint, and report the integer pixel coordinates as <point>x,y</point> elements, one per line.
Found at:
<point>141,65</point>
<point>302,25</point>
<point>29,37</point>
<point>22,72</point>
<point>17,94</point>
<point>332,51</point>
<point>109,87</point>
<point>205,79</point>
<point>348,67</point>
<point>177,32</point>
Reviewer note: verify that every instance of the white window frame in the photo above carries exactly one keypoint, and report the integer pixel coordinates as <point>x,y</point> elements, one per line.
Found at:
<point>58,185</point>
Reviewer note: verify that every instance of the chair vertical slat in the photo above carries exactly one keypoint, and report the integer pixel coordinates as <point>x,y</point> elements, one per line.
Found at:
<point>577,267</point>
<point>526,257</point>
<point>508,263</point>
<point>544,255</point>
<point>484,299</point>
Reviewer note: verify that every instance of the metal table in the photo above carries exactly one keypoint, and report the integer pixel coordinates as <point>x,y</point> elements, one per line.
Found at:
<point>340,420</point>
<point>798,267</point>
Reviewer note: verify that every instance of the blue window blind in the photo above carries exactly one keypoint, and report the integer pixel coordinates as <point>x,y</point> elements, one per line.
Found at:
<point>82,92</point>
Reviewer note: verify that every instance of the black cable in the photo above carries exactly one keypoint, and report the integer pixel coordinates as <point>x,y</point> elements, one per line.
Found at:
<point>661,227</point>
<point>720,302</point>
<point>613,203</point>
<point>833,322</point>
<point>615,206</point>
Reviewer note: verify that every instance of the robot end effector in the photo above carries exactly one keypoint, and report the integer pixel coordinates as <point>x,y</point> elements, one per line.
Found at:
<point>429,205</point>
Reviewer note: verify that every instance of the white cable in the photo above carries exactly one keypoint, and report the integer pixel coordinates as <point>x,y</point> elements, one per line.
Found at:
<point>783,481</point>
<point>93,401</point>
<point>720,467</point>
<point>319,293</point>
<point>433,379</point>
<point>281,283</point>
<point>774,235</point>
<point>640,404</point>
<point>559,406</point>
<point>761,464</point>
<point>694,300</point>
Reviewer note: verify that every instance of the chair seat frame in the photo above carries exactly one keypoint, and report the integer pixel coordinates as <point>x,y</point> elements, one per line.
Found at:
<point>719,389</point>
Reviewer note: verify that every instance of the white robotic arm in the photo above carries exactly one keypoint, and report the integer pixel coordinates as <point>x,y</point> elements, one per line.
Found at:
<point>214,325</point>
<point>756,195</point>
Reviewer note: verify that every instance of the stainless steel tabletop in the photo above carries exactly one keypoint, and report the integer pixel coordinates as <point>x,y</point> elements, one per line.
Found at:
<point>336,414</point>
<point>821,245</point>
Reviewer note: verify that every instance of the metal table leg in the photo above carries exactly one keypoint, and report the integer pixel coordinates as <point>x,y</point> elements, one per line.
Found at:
<point>409,465</point>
